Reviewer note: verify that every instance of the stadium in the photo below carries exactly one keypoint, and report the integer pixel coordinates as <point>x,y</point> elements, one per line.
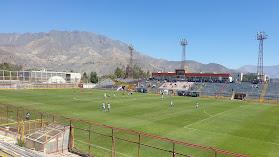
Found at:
<point>108,79</point>
<point>47,113</point>
<point>211,114</point>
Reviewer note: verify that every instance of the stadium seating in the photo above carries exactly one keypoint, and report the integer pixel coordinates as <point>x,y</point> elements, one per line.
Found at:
<point>106,84</point>
<point>178,85</point>
<point>7,149</point>
<point>272,92</point>
<point>211,89</point>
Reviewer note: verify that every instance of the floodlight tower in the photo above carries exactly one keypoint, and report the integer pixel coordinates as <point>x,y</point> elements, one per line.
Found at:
<point>183,43</point>
<point>260,36</point>
<point>131,48</point>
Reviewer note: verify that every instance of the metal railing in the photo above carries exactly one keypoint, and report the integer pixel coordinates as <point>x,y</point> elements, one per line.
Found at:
<point>94,139</point>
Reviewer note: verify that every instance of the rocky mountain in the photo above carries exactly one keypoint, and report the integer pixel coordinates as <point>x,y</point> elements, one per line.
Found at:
<point>272,71</point>
<point>82,51</point>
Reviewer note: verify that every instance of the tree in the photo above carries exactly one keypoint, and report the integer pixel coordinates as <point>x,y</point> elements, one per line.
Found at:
<point>93,77</point>
<point>84,78</point>
<point>147,74</point>
<point>119,72</point>
<point>135,72</point>
<point>249,77</point>
<point>108,76</point>
<point>10,67</point>
<point>128,71</point>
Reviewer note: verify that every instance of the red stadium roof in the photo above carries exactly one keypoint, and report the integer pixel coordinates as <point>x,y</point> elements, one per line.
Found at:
<point>195,74</point>
<point>209,74</point>
<point>163,74</point>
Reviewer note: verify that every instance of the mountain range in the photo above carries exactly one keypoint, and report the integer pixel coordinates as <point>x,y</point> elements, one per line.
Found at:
<point>82,51</point>
<point>272,71</point>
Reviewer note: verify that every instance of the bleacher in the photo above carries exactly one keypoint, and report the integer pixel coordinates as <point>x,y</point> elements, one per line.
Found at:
<point>195,86</point>
<point>155,86</point>
<point>253,91</point>
<point>145,85</point>
<point>11,150</point>
<point>129,81</point>
<point>178,85</point>
<point>107,84</point>
<point>272,92</point>
<point>211,89</point>
<point>115,84</point>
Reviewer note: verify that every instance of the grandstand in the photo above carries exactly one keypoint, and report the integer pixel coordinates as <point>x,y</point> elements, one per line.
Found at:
<point>211,89</point>
<point>107,84</point>
<point>118,84</point>
<point>272,92</point>
<point>224,90</point>
<point>183,75</point>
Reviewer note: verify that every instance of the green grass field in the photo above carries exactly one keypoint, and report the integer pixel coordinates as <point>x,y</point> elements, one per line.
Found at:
<point>248,128</point>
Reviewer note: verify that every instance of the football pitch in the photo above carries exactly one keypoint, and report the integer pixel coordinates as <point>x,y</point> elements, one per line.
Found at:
<point>248,128</point>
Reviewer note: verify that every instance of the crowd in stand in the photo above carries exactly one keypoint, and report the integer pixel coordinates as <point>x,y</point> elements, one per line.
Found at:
<point>178,85</point>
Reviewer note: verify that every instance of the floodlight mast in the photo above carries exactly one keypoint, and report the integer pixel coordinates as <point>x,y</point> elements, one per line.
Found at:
<point>260,36</point>
<point>183,43</point>
<point>130,73</point>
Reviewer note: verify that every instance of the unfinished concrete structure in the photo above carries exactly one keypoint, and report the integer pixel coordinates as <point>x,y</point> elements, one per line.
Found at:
<point>52,138</point>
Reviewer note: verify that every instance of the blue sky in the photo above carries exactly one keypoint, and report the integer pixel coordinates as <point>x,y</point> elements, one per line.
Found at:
<point>218,31</point>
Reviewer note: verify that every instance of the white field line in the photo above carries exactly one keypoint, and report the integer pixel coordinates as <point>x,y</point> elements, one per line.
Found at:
<point>207,113</point>
<point>103,148</point>
<point>210,117</point>
<point>233,136</point>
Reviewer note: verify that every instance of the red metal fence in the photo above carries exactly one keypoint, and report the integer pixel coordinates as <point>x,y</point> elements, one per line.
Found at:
<point>94,139</point>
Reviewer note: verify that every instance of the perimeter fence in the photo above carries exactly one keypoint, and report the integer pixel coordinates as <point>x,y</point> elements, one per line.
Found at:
<point>92,139</point>
<point>28,85</point>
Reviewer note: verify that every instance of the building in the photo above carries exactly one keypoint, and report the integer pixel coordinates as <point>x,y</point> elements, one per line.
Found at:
<point>183,75</point>
<point>237,77</point>
<point>40,76</point>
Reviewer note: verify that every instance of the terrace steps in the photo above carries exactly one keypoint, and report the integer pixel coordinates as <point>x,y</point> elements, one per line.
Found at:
<point>201,86</point>
<point>263,92</point>
<point>222,89</point>
<point>11,150</point>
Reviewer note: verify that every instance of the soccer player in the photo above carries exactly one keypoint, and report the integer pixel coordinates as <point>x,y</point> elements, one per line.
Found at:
<point>113,95</point>
<point>162,96</point>
<point>104,106</point>
<point>45,92</point>
<point>197,105</point>
<point>27,115</point>
<point>108,106</point>
<point>105,95</point>
<point>90,93</point>
<point>171,103</point>
<point>74,91</point>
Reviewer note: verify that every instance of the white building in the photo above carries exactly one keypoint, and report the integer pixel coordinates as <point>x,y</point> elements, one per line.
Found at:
<point>237,77</point>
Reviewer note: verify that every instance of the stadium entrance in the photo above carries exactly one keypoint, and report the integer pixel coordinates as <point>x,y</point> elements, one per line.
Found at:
<point>239,96</point>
